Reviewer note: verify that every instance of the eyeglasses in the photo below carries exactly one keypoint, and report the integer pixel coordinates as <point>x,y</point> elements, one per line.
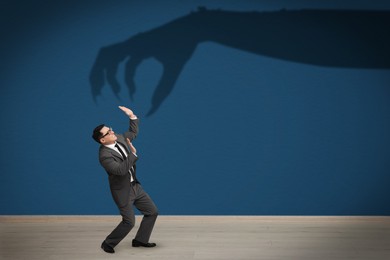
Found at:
<point>109,130</point>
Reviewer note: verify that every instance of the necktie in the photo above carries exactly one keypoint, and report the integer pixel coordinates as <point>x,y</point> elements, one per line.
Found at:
<point>120,150</point>
<point>124,157</point>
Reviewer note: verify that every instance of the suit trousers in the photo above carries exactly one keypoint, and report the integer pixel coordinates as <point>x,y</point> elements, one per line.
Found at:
<point>141,200</point>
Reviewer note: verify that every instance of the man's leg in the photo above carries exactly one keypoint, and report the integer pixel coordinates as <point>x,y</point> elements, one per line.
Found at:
<point>124,227</point>
<point>147,207</point>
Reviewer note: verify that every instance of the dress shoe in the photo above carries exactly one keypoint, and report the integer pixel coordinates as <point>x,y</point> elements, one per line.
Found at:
<point>136,243</point>
<point>106,247</point>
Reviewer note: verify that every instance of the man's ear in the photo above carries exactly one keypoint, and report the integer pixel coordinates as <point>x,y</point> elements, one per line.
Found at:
<point>102,141</point>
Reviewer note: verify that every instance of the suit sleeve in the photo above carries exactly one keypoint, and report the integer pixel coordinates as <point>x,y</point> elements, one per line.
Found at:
<point>133,130</point>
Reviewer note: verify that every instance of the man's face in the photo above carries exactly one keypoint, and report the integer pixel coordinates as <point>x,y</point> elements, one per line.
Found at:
<point>108,135</point>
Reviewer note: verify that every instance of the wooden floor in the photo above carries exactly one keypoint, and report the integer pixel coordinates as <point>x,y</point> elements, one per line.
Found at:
<point>200,237</point>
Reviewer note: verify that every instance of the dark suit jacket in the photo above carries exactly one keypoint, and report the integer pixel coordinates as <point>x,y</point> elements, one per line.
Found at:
<point>118,168</point>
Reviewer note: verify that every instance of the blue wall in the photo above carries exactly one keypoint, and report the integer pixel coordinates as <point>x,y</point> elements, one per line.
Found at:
<point>240,133</point>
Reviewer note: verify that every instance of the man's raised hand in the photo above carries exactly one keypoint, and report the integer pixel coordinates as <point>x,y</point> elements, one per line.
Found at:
<point>132,148</point>
<point>128,112</point>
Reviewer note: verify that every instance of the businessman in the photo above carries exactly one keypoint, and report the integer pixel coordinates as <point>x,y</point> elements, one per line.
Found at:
<point>118,155</point>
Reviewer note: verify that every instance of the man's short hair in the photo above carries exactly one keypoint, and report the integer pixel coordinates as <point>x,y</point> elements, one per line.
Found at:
<point>96,135</point>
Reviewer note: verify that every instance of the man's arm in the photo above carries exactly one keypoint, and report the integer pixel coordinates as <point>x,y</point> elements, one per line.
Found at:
<point>133,125</point>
